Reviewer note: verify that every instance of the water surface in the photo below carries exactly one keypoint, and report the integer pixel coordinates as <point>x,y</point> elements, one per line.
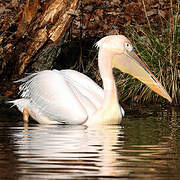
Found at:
<point>144,146</point>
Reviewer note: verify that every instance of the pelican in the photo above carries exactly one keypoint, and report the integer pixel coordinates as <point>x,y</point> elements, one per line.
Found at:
<point>70,97</point>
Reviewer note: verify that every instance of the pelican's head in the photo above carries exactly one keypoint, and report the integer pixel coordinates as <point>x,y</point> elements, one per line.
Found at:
<point>125,59</point>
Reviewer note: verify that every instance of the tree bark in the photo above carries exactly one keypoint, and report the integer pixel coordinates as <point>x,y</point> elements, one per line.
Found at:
<point>37,30</point>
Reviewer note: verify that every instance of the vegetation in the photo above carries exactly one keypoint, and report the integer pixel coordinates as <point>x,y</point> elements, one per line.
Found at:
<point>159,46</point>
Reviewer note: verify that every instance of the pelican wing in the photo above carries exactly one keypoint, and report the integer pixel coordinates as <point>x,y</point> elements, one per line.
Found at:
<point>84,85</point>
<point>64,95</point>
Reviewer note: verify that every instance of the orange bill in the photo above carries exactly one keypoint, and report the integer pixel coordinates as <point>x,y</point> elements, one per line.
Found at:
<point>129,62</point>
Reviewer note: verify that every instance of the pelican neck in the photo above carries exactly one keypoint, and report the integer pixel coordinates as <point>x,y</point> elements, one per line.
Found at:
<point>106,72</point>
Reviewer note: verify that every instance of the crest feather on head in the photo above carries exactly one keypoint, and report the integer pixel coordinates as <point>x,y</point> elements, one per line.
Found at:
<point>111,41</point>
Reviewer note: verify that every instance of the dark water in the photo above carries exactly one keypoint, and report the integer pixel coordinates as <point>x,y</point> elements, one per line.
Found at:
<point>145,146</point>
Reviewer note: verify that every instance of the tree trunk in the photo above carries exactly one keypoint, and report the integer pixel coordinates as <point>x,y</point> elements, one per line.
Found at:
<point>33,35</point>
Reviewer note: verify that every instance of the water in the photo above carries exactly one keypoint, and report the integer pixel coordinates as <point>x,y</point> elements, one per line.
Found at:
<point>145,146</point>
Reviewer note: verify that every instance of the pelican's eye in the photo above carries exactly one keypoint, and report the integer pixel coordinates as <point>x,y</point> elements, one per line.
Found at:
<point>128,47</point>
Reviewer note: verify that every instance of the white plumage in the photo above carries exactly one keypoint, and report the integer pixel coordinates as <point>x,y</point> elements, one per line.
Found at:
<point>65,96</point>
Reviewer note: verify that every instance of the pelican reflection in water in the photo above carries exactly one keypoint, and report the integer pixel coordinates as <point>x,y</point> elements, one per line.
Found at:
<point>70,97</point>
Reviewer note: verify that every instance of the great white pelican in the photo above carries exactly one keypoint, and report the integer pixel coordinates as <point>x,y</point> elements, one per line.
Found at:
<point>70,97</point>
